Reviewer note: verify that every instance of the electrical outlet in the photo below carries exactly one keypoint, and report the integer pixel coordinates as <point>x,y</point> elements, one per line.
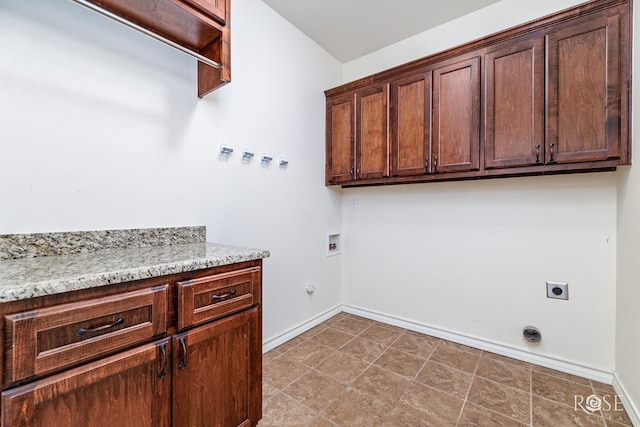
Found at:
<point>557,290</point>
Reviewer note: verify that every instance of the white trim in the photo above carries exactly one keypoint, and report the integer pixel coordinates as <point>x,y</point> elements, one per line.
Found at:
<point>515,353</point>
<point>297,330</point>
<point>482,344</point>
<point>632,410</point>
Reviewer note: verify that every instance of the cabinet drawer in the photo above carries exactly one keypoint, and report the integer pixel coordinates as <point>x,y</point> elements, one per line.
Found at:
<point>44,340</point>
<point>210,297</point>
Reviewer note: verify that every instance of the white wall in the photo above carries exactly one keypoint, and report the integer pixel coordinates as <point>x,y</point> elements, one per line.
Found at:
<point>102,128</point>
<point>473,257</point>
<point>476,25</point>
<point>628,315</point>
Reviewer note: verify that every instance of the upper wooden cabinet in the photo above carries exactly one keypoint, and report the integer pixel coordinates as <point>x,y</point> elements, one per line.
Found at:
<point>584,88</point>
<point>216,9</point>
<point>341,127</point>
<point>514,104</point>
<point>550,96</point>
<point>456,117</point>
<point>411,125</point>
<point>358,136</point>
<point>200,27</point>
<point>372,140</point>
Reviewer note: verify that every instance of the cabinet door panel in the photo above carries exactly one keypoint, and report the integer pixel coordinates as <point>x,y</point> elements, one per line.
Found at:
<point>123,390</point>
<point>456,117</point>
<point>514,105</point>
<point>218,373</point>
<point>411,125</point>
<point>340,139</point>
<point>216,9</point>
<point>584,100</point>
<point>372,139</point>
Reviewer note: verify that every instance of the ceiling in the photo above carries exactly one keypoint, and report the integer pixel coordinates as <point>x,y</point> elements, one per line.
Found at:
<point>349,29</point>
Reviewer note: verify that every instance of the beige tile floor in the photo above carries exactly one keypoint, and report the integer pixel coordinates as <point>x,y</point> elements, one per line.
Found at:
<point>350,371</point>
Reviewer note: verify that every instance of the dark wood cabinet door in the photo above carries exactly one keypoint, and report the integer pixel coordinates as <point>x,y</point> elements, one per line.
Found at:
<point>218,373</point>
<point>411,125</point>
<point>372,140</point>
<point>514,104</point>
<point>216,9</point>
<point>130,389</point>
<point>456,117</point>
<point>340,161</point>
<point>583,92</point>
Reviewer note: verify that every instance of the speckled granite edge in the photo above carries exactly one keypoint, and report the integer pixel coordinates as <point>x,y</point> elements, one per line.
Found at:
<point>36,277</point>
<point>16,246</point>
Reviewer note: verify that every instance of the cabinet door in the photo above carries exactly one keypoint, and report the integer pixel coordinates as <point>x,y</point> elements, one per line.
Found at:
<point>411,125</point>
<point>218,373</point>
<point>340,139</point>
<point>372,141</point>
<point>583,93</point>
<point>456,117</point>
<point>514,105</point>
<point>216,9</point>
<point>129,389</point>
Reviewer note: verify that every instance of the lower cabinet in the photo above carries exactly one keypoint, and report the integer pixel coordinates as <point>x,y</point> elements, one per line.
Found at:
<point>125,360</point>
<point>128,389</point>
<point>216,379</point>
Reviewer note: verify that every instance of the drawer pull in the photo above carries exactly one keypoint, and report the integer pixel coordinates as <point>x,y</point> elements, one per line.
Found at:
<point>228,294</point>
<point>163,370</point>
<point>82,331</point>
<point>183,362</point>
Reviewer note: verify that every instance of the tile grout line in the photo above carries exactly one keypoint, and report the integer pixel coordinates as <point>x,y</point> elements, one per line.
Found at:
<point>319,416</point>
<point>594,393</point>
<point>473,377</point>
<point>531,396</point>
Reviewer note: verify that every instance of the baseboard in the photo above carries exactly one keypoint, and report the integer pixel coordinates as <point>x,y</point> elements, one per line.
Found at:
<point>301,328</point>
<point>629,405</point>
<point>515,353</point>
<point>493,347</point>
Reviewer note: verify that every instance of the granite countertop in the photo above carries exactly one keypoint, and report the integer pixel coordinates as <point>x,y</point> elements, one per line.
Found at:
<point>37,276</point>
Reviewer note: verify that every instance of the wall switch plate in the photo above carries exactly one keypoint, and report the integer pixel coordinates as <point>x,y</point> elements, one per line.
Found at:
<point>557,290</point>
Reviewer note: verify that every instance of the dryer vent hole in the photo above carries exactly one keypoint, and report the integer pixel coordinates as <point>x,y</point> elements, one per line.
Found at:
<point>532,335</point>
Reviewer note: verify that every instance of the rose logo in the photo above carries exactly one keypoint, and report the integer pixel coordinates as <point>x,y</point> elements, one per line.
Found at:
<point>593,403</point>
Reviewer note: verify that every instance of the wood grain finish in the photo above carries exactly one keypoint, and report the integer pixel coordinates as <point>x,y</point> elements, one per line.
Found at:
<point>456,117</point>
<point>218,49</point>
<point>214,389</point>
<point>124,373</point>
<point>514,104</point>
<point>202,26</point>
<point>340,139</point>
<point>215,9</point>
<point>121,390</point>
<point>553,99</point>
<point>46,340</point>
<point>211,297</point>
<point>411,125</point>
<point>584,100</point>
<point>372,141</point>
